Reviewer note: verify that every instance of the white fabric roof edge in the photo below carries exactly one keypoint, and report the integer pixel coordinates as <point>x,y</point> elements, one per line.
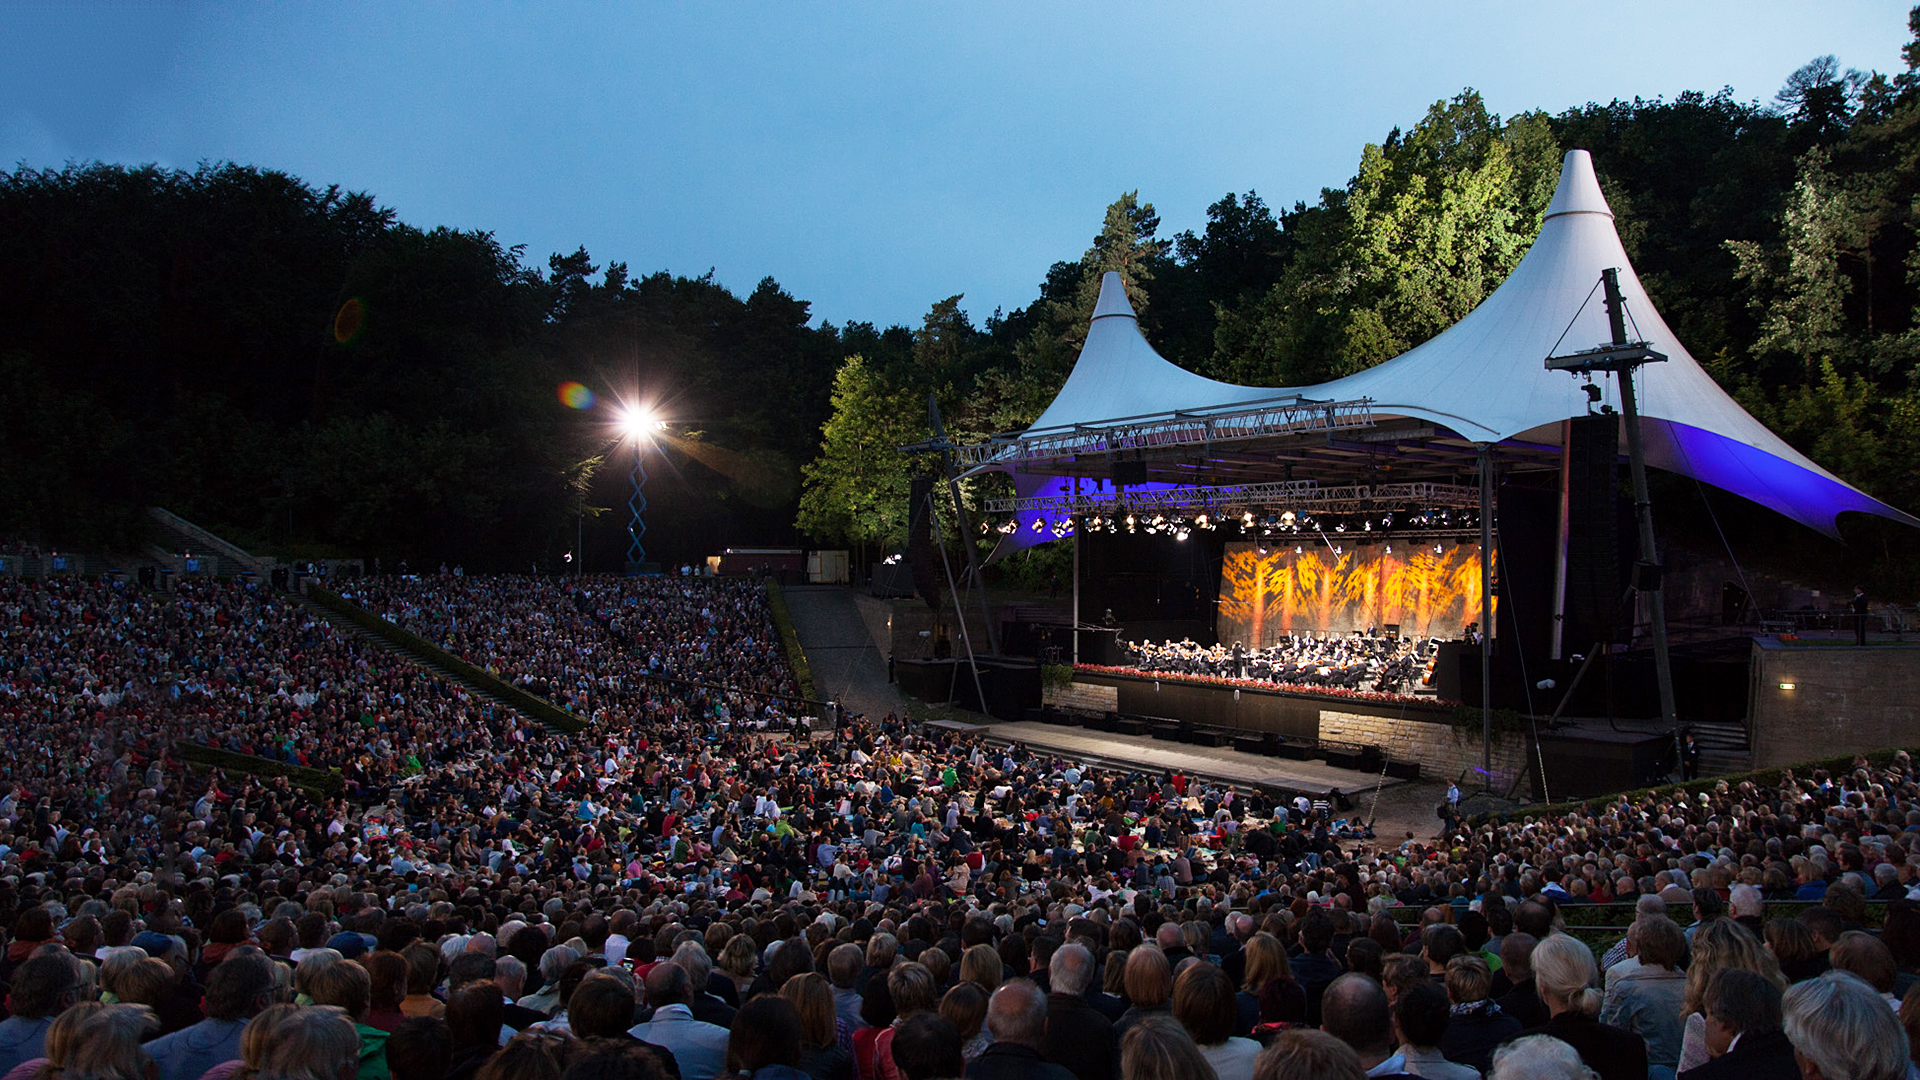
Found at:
<point>1485,376</point>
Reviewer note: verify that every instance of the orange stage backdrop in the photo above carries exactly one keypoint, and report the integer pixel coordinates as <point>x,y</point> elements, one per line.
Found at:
<point>1265,597</point>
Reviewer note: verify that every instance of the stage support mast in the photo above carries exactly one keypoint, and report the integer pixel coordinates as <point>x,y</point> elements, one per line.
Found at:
<point>1562,540</point>
<point>1486,615</point>
<point>1624,357</point>
<point>1076,583</point>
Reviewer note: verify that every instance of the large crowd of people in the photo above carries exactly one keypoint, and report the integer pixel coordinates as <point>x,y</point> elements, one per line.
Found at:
<point>683,889</point>
<point>1359,660</point>
<point>591,644</point>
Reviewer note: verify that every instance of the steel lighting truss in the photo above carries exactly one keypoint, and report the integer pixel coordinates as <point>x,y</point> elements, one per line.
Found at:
<point>1164,431</point>
<point>1294,496</point>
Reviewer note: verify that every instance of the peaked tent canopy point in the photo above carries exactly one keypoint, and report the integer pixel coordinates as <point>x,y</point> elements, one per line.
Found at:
<point>1481,381</point>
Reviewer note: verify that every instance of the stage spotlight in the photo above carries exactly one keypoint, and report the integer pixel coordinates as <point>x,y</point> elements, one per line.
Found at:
<point>1438,550</point>
<point>1009,527</point>
<point>1367,525</point>
<point>1180,535</point>
<point>1298,550</point>
<point>1286,518</point>
<point>1246,519</point>
<point>1386,521</point>
<point>1200,521</point>
<point>1337,550</point>
<point>1039,524</point>
<point>1129,522</point>
<point>1260,548</point>
<point>1389,549</point>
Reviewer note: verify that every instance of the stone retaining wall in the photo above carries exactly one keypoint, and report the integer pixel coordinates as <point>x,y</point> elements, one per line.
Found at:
<point>1088,697</point>
<point>1443,750</point>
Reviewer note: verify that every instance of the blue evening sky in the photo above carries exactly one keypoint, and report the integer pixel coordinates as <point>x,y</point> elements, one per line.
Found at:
<point>873,158</point>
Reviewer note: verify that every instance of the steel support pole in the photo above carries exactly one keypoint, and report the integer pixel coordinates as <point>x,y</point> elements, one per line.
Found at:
<point>1647,573</point>
<point>1486,615</point>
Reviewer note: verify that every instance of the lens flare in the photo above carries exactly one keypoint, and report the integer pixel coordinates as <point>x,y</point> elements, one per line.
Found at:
<point>575,396</point>
<point>349,321</point>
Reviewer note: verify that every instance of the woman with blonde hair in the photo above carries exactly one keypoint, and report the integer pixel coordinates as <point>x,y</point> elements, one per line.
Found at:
<point>981,966</point>
<point>1158,1048</point>
<point>936,961</point>
<point>825,1044</point>
<point>965,1006</point>
<point>1718,946</point>
<point>1268,979</point>
<point>1563,976</point>
<point>738,962</point>
<point>1149,987</point>
<point>317,1042</point>
<point>102,1042</point>
<point>310,968</point>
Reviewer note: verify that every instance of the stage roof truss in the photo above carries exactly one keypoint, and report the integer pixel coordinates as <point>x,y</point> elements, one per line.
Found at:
<point>1297,496</point>
<point>1165,431</point>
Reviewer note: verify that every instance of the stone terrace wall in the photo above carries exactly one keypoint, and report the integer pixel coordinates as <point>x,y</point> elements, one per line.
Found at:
<point>1086,697</point>
<point>1443,751</point>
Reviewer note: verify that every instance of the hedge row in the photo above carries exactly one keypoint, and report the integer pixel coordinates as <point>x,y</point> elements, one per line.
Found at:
<point>320,781</point>
<point>790,640</point>
<point>536,707</point>
<point>1761,777</point>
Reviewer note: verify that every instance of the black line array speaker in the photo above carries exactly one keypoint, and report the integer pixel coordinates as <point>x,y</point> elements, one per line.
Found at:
<point>1594,582</point>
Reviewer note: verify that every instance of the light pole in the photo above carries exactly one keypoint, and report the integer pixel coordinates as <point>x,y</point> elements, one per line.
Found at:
<point>638,425</point>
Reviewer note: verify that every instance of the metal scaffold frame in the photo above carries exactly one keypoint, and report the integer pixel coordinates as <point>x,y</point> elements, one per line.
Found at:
<point>1165,431</point>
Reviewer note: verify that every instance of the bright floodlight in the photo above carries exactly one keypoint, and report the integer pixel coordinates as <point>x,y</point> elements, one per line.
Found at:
<point>640,422</point>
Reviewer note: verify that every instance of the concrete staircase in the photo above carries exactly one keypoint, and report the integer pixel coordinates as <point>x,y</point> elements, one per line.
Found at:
<point>213,555</point>
<point>1723,748</point>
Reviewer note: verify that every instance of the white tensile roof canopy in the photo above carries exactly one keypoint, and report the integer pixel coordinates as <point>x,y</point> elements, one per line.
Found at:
<point>1481,381</point>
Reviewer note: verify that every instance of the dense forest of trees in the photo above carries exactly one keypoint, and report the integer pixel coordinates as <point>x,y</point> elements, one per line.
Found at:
<point>296,367</point>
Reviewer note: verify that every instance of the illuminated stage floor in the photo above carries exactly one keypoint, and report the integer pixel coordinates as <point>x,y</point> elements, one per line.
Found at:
<point>1215,763</point>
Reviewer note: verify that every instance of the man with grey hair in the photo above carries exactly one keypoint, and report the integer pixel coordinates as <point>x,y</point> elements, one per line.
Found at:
<point>1234,961</point>
<point>1886,882</point>
<point>1017,1019</point>
<point>510,975</point>
<point>1744,903</point>
<point>1539,1057</point>
<point>1078,1036</point>
<point>1841,1029</point>
<point>1647,907</point>
<point>692,958</point>
<point>553,964</point>
<point>843,971</point>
